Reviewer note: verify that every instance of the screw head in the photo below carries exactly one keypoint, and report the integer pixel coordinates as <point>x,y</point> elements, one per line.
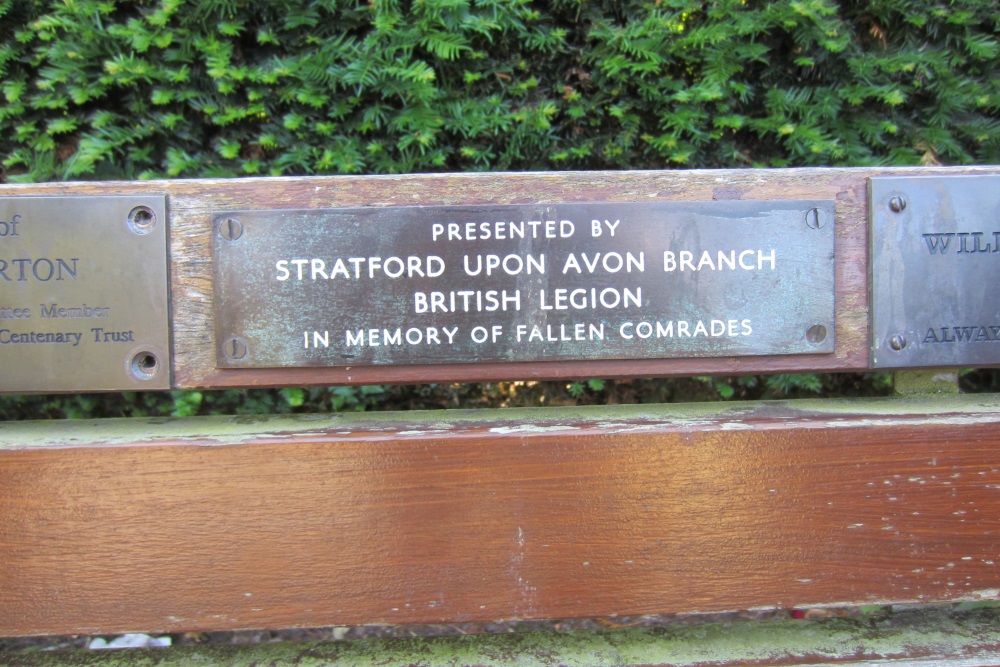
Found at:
<point>814,218</point>
<point>144,365</point>
<point>230,229</point>
<point>141,220</point>
<point>897,204</point>
<point>816,334</point>
<point>235,348</point>
<point>897,342</point>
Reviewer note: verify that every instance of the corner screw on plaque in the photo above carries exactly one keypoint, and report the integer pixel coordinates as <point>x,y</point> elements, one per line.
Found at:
<point>897,204</point>
<point>816,334</point>
<point>897,342</point>
<point>141,220</point>
<point>235,348</point>
<point>231,229</point>
<point>144,365</point>
<point>814,218</point>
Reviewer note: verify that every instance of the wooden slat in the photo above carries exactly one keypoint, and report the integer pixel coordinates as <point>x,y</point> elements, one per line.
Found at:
<point>191,203</point>
<point>226,523</point>
<point>929,638</point>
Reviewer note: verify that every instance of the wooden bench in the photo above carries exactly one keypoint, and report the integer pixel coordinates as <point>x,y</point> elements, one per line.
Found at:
<point>227,523</point>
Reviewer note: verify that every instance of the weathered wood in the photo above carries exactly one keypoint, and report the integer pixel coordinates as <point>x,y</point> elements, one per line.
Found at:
<point>190,204</point>
<point>928,637</point>
<point>225,523</point>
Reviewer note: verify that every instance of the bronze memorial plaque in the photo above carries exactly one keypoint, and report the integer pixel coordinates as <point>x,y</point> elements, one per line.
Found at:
<point>545,282</point>
<point>83,294</point>
<point>935,257</point>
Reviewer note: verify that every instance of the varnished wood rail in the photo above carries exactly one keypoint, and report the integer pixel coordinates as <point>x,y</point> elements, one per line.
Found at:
<point>190,205</point>
<point>238,522</point>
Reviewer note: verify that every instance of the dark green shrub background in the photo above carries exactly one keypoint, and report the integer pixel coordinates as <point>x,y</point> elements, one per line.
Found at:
<point>99,89</point>
<point>102,89</point>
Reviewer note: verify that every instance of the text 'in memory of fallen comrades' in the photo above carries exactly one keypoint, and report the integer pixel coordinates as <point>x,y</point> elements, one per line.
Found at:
<point>523,283</point>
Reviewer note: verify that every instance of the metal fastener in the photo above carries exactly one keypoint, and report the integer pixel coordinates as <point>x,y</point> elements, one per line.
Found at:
<point>897,342</point>
<point>235,348</point>
<point>814,218</point>
<point>231,229</point>
<point>816,334</point>
<point>141,220</point>
<point>144,365</point>
<point>897,204</point>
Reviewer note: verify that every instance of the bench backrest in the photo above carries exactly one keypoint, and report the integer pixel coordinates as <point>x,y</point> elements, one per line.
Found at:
<point>229,522</point>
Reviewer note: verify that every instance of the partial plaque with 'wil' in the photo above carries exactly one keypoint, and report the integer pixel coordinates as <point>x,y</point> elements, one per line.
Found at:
<point>935,261</point>
<point>83,294</point>
<point>517,283</point>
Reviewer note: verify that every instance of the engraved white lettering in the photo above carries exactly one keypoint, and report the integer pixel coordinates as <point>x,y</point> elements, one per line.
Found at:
<point>482,334</point>
<point>319,269</point>
<point>511,264</point>
<point>466,301</point>
<point>319,338</point>
<point>596,229</point>
<point>355,339</point>
<point>374,337</point>
<point>552,333</point>
<point>610,262</point>
<point>685,329</point>
<point>761,258</point>
<point>578,299</point>
<point>746,260</point>
<point>501,230</point>
<point>315,269</point>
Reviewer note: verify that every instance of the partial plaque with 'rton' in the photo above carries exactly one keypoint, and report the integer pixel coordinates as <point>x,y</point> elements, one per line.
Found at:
<point>83,294</point>
<point>523,283</point>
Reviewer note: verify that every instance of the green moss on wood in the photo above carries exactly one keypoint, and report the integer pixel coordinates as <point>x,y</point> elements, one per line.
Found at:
<point>925,634</point>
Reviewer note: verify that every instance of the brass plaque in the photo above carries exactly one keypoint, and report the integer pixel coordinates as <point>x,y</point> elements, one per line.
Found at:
<point>83,294</point>
<point>935,259</point>
<point>464,284</point>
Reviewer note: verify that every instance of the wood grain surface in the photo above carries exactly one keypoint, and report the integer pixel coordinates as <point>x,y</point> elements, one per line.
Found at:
<point>191,203</point>
<point>226,523</point>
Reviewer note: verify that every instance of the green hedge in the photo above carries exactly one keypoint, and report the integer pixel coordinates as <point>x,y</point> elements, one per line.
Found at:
<point>168,88</point>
